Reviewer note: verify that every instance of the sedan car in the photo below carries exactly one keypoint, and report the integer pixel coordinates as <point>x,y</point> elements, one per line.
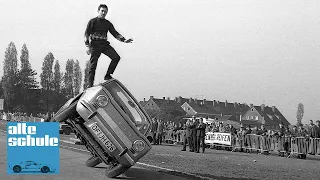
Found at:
<point>111,123</point>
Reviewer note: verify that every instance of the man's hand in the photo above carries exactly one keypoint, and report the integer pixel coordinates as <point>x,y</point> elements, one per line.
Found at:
<point>89,50</point>
<point>128,41</point>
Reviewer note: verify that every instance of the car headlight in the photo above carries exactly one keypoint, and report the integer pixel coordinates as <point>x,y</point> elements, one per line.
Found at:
<point>139,145</point>
<point>102,100</point>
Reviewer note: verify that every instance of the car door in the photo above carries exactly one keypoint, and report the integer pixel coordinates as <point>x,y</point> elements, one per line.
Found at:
<point>33,166</point>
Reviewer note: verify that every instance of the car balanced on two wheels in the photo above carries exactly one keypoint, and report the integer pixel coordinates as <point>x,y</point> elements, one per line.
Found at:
<point>111,123</point>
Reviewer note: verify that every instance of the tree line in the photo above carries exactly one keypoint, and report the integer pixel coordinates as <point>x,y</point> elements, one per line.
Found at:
<point>23,93</point>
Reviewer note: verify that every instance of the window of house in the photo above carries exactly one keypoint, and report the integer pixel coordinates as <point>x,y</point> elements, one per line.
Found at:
<point>252,109</point>
<point>257,118</point>
<point>248,117</point>
<point>251,117</point>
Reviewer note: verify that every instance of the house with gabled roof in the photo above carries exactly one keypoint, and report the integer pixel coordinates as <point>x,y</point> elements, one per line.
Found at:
<point>156,103</point>
<point>271,117</point>
<point>214,109</point>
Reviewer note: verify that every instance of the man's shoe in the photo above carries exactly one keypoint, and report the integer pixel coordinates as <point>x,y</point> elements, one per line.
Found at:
<point>107,77</point>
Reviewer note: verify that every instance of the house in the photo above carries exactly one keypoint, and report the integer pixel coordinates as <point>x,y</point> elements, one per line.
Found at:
<point>226,112</point>
<point>156,104</point>
<point>166,105</point>
<point>271,117</point>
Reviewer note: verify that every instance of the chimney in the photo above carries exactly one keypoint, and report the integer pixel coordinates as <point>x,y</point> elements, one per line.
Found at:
<point>168,100</point>
<point>196,100</point>
<point>203,101</point>
<point>235,105</point>
<point>179,99</point>
<point>144,99</point>
<point>190,100</point>
<point>251,105</point>
<point>273,109</point>
<point>262,107</point>
<point>151,97</point>
<point>176,99</point>
<point>214,103</point>
<point>226,103</point>
<point>163,98</point>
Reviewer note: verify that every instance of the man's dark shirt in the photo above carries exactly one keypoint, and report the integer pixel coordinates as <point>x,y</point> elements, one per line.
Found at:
<point>97,29</point>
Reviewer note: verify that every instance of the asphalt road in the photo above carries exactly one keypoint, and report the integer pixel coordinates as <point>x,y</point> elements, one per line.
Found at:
<point>72,167</point>
<point>165,160</point>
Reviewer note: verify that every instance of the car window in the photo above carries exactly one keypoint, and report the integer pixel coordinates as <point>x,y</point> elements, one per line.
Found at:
<point>129,106</point>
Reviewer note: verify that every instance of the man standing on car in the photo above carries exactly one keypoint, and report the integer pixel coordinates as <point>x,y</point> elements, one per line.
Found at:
<point>96,41</point>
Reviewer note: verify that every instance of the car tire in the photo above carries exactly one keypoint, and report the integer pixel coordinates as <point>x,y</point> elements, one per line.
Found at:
<point>114,171</point>
<point>66,113</point>
<point>93,161</point>
<point>45,169</point>
<point>16,168</point>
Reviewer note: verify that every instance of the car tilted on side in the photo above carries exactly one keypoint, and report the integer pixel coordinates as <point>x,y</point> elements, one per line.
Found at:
<point>110,123</point>
<point>31,166</point>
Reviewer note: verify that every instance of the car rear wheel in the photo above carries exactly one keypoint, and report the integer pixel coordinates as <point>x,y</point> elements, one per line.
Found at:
<point>93,161</point>
<point>16,168</point>
<point>114,171</point>
<point>45,169</point>
<point>66,113</point>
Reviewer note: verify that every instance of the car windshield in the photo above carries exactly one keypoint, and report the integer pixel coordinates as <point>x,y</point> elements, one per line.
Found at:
<point>129,106</point>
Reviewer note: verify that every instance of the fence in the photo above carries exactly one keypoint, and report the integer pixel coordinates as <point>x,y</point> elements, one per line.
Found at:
<point>285,146</point>
<point>9,117</point>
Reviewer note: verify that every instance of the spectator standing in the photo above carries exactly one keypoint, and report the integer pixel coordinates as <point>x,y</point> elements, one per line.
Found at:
<point>318,129</point>
<point>222,129</point>
<point>187,138</point>
<point>154,130</point>
<point>160,130</point>
<point>201,133</point>
<point>262,131</point>
<point>193,134</point>
<point>312,130</point>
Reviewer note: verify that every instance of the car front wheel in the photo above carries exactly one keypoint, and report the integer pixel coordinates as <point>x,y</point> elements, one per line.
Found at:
<point>45,169</point>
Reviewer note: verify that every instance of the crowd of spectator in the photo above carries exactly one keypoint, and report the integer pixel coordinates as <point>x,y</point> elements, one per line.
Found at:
<point>12,115</point>
<point>192,132</point>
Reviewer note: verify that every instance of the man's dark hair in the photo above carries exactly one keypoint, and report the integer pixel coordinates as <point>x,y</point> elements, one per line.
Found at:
<point>102,6</point>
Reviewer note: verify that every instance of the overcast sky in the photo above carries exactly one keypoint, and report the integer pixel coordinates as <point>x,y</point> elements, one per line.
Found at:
<point>247,51</point>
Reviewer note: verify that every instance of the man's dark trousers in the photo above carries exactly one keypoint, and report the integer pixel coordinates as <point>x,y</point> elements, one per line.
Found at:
<point>97,49</point>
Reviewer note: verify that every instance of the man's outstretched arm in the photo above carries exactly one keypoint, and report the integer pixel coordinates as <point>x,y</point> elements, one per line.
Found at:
<point>118,35</point>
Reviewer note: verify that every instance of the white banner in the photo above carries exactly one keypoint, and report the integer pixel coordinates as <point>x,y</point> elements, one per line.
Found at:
<point>218,138</point>
<point>1,104</point>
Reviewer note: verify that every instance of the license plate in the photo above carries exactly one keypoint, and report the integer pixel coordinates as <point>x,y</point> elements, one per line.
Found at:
<point>102,137</point>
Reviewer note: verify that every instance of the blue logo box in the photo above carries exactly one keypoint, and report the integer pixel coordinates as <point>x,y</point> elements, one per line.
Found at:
<point>33,148</point>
